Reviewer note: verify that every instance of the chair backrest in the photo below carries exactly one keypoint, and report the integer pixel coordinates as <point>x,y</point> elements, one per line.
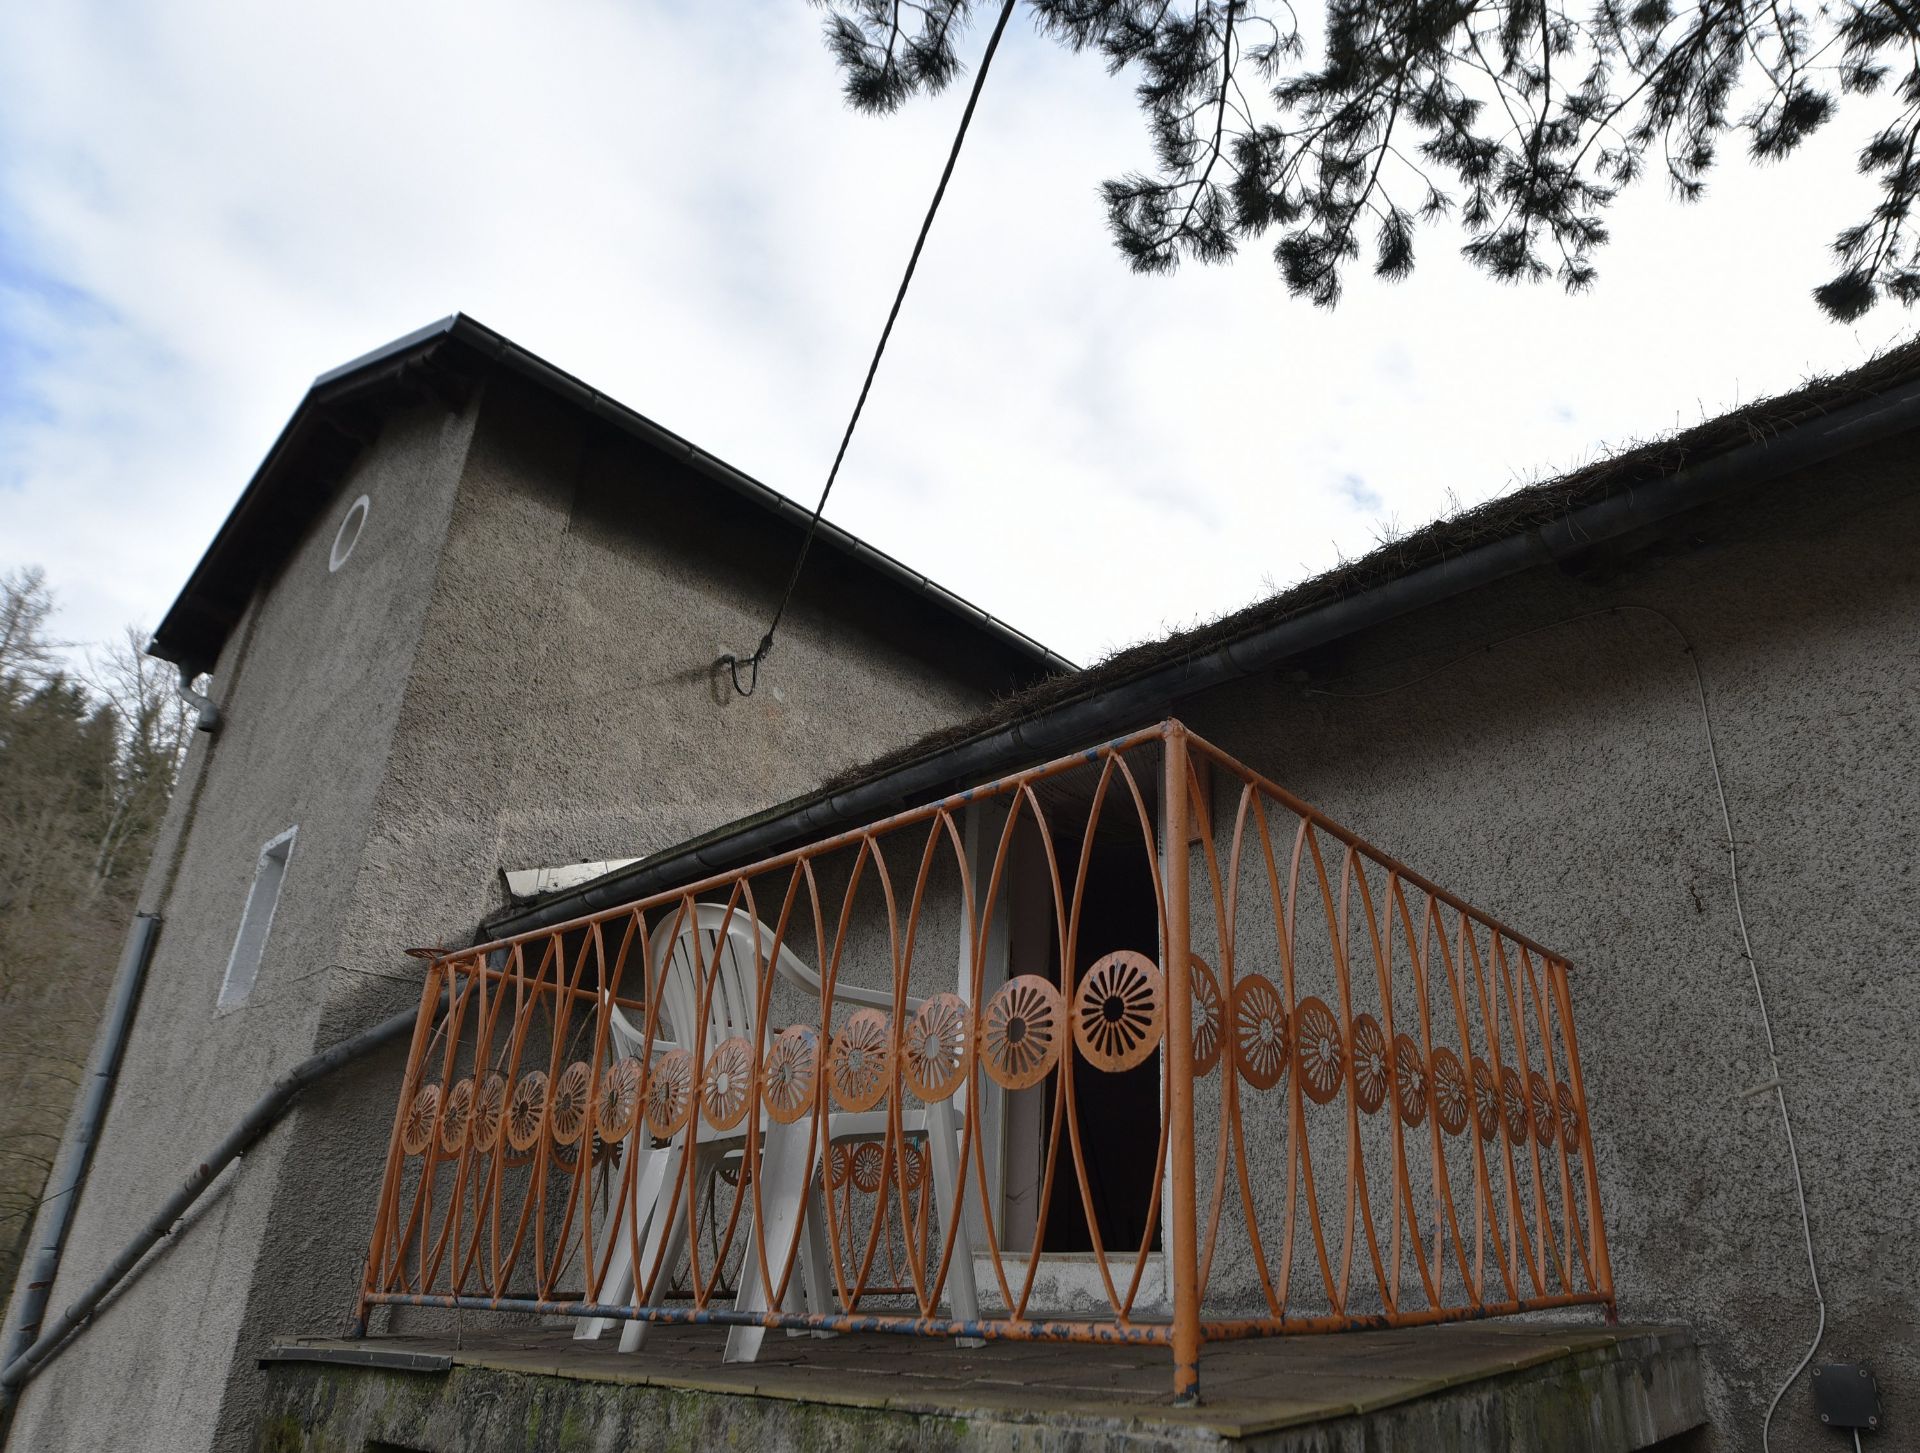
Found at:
<point>732,946</point>
<point>724,945</point>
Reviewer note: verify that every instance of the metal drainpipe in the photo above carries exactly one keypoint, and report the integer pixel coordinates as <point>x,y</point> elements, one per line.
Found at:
<point>49,1240</point>
<point>209,712</point>
<point>266,1113</point>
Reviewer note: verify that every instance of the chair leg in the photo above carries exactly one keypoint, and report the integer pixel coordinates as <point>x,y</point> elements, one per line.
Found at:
<point>668,1232</point>
<point>962,1292</point>
<point>617,1285</point>
<point>814,1264</point>
<point>614,1287</point>
<point>786,1167</point>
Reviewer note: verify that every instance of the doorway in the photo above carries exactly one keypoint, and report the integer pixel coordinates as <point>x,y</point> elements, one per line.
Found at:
<point>1117,1113</point>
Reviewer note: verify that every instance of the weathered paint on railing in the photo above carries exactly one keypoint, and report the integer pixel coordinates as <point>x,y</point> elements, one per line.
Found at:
<point>1327,1003</point>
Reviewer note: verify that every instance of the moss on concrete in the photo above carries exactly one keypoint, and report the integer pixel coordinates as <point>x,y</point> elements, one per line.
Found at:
<point>480,1410</point>
<point>282,1434</point>
<point>1596,1400</point>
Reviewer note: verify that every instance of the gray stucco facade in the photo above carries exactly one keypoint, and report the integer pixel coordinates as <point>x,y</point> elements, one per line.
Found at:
<point>1539,748</point>
<point>513,667</point>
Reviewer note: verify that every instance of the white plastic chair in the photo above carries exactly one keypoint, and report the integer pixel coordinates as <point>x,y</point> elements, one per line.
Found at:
<point>730,944</point>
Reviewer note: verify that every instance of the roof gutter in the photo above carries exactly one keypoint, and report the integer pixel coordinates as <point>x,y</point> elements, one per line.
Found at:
<point>1127,704</point>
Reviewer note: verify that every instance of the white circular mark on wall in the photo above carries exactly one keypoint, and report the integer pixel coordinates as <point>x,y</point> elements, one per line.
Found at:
<point>349,534</point>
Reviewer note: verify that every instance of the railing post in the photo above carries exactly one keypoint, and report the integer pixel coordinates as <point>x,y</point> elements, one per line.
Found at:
<point>1184,1254</point>
<point>390,1182</point>
<point>1596,1224</point>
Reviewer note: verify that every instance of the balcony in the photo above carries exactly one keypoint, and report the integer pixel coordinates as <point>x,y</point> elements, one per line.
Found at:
<point>1133,1050</point>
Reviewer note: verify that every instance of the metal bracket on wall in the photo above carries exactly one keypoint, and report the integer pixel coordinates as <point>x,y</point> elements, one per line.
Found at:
<point>1846,1396</point>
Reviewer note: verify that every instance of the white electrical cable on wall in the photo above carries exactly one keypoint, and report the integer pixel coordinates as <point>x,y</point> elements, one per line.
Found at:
<point>1774,1080</point>
<point>1766,1025</point>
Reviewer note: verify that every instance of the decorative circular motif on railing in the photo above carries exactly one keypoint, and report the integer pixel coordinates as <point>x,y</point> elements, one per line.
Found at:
<point>1409,1080</point>
<point>837,1166</point>
<point>566,1157</point>
<point>869,1166</point>
<point>1452,1095</point>
<point>725,1081</point>
<point>1319,1050</point>
<point>939,1047</point>
<point>1022,1031</point>
<point>527,1110</point>
<point>1119,1011</point>
<point>489,1109</point>
<point>790,1073</point>
<point>1569,1118</point>
<point>913,1165</point>
<point>456,1115</point>
<point>861,1061</point>
<point>619,1098</point>
<point>423,1118</point>
<point>1209,1017</point>
<point>1370,1076</point>
<point>1546,1127</point>
<point>1261,1044</point>
<point>670,1093</point>
<point>1513,1104</point>
<point>567,1110</point>
<point>1486,1099</point>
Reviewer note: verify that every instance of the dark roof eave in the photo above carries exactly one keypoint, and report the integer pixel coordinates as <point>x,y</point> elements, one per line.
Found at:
<point>195,626</point>
<point>1116,706</point>
<point>538,370</point>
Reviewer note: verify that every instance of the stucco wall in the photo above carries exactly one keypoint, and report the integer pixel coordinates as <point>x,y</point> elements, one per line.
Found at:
<point>1539,749</point>
<point>589,586</point>
<point>310,685</point>
<point>513,668</point>
<point>1560,781</point>
<point>566,705</point>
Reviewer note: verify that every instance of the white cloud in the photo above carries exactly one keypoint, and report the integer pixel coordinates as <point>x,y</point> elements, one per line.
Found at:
<point>205,204</point>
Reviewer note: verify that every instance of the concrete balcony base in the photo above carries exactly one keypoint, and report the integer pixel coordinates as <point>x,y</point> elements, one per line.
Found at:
<point>1479,1386</point>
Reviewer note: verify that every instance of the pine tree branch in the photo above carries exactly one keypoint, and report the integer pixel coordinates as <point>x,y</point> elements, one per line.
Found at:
<point>1591,103</point>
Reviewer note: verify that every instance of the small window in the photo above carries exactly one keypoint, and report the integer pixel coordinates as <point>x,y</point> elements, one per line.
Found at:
<point>256,922</point>
<point>348,535</point>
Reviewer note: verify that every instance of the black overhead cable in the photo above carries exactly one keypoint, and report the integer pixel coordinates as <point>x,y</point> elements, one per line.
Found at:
<point>732,662</point>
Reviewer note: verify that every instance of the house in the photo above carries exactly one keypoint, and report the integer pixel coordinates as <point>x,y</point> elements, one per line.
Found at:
<point>1439,808</point>
<point>450,627</point>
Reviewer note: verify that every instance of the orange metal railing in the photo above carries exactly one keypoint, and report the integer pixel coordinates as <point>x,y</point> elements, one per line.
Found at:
<point>1370,1108</point>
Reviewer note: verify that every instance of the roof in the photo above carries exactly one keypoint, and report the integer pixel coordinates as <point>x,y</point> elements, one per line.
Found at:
<point>341,413</point>
<point>1634,495</point>
<point>1509,515</point>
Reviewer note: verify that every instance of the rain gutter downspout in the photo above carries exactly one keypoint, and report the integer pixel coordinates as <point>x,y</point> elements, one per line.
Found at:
<point>267,1112</point>
<point>208,713</point>
<point>62,1194</point>
<point>1128,704</point>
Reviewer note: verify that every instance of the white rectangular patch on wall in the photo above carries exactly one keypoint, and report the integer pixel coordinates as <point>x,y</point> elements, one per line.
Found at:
<point>256,921</point>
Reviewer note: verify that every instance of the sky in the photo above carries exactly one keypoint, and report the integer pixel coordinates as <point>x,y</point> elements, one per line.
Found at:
<point>205,204</point>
